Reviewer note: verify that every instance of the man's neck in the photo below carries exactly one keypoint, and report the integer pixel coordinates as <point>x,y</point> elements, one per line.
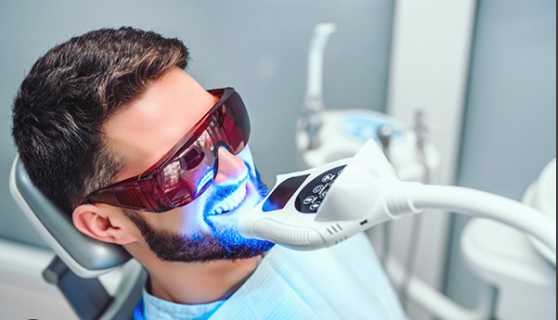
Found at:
<point>196,283</point>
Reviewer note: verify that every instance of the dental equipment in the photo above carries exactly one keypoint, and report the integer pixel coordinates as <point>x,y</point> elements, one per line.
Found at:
<point>327,135</point>
<point>314,104</point>
<point>324,206</point>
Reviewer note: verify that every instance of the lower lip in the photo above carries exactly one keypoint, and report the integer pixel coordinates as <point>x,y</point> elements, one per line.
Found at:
<point>230,213</point>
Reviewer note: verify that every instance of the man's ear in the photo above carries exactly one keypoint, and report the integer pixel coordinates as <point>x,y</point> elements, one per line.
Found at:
<point>102,225</point>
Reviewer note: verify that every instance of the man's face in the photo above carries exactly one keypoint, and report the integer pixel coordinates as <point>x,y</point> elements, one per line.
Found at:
<point>198,232</point>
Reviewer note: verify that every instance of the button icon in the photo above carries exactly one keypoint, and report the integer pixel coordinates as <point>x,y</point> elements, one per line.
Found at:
<point>315,206</point>
<point>310,200</point>
<point>323,194</point>
<point>318,189</point>
<point>328,178</point>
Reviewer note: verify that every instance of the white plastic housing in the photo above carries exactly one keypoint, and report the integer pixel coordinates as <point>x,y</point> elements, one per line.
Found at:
<point>367,192</point>
<point>345,201</point>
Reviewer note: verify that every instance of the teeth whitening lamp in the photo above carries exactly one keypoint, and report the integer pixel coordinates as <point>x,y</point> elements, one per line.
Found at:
<point>324,206</point>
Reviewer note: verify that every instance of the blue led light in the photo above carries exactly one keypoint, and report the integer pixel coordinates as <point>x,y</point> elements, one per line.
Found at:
<point>205,180</point>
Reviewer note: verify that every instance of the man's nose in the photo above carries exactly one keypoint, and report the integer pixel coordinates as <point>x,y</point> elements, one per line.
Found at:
<point>231,169</point>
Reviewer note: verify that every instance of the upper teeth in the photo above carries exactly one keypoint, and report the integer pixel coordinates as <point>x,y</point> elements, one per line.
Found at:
<point>231,203</point>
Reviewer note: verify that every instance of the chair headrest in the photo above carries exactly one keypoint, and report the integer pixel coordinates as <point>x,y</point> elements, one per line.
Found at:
<point>86,257</point>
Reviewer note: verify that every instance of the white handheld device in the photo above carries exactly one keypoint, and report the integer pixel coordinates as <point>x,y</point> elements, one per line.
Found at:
<point>326,205</point>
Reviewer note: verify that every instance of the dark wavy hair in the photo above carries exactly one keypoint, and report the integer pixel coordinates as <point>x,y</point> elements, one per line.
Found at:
<point>68,96</point>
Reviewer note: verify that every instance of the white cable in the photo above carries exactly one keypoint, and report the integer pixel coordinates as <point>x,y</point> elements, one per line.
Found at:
<point>477,204</point>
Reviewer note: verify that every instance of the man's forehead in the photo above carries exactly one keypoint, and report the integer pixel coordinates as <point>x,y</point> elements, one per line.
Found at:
<point>146,130</point>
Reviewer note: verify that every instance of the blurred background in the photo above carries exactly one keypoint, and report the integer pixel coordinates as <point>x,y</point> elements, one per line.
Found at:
<point>484,71</point>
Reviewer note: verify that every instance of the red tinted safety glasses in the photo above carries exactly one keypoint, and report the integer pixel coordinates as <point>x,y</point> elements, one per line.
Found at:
<point>188,169</point>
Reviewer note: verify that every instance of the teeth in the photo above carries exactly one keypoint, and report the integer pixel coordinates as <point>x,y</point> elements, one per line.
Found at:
<point>231,202</point>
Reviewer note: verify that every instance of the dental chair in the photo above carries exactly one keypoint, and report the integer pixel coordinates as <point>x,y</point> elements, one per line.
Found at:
<point>80,261</point>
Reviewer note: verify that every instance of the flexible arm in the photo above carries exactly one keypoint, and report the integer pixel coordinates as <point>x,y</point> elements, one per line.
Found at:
<point>476,204</point>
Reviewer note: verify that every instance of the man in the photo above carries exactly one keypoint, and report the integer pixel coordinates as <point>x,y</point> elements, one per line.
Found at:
<point>111,128</point>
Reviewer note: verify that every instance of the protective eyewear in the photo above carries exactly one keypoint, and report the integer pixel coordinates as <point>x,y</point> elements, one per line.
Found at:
<point>187,170</point>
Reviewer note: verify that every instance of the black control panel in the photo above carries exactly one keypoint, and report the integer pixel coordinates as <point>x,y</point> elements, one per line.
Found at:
<point>312,196</point>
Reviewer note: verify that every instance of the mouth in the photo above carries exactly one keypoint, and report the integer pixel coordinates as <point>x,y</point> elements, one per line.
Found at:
<point>231,203</point>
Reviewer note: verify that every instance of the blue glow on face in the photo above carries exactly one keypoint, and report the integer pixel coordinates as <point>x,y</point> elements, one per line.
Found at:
<point>223,241</point>
<point>227,235</point>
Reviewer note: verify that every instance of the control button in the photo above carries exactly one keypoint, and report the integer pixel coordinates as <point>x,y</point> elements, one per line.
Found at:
<point>310,200</point>
<point>315,206</point>
<point>340,172</point>
<point>311,197</point>
<point>318,189</point>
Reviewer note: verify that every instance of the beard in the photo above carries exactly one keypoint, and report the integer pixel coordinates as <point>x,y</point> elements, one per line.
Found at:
<point>223,243</point>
